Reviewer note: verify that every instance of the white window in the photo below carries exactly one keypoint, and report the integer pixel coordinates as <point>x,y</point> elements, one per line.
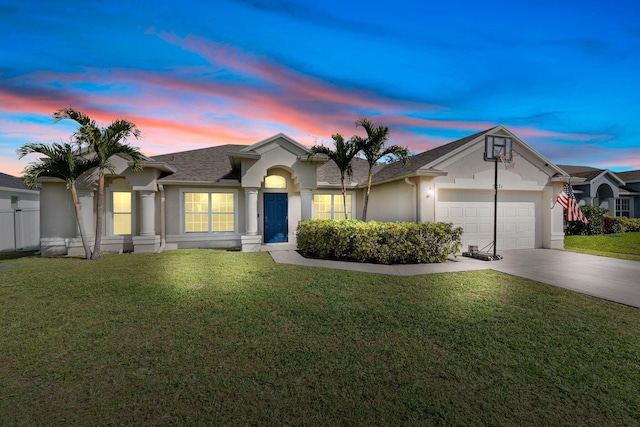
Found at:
<point>623,207</point>
<point>121,212</point>
<point>209,212</point>
<point>330,206</point>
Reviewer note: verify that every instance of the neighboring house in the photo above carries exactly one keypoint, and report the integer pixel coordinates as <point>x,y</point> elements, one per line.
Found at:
<point>247,196</point>
<point>631,190</point>
<point>619,192</point>
<point>19,215</point>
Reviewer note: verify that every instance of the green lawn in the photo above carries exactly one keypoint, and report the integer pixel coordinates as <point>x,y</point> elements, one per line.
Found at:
<point>203,337</point>
<point>623,245</point>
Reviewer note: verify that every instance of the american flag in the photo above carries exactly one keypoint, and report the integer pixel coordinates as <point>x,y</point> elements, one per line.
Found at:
<point>567,199</point>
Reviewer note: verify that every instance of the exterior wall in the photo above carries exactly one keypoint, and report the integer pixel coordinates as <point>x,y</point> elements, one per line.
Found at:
<point>59,214</point>
<point>395,201</point>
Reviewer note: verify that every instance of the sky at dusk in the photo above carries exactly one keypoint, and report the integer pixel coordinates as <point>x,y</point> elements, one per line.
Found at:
<point>563,75</point>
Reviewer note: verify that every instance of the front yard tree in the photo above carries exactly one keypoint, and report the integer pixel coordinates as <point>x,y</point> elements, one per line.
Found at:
<point>374,149</point>
<point>103,143</point>
<point>342,156</point>
<point>60,161</point>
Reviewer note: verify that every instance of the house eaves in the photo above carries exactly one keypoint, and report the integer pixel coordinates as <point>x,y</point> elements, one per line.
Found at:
<point>235,157</point>
<point>220,183</point>
<point>412,174</point>
<point>157,165</point>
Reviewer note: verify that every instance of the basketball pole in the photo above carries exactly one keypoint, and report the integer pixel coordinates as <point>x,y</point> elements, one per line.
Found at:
<point>495,208</point>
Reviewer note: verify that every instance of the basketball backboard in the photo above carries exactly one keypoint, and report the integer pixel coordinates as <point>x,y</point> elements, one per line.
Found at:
<point>498,148</point>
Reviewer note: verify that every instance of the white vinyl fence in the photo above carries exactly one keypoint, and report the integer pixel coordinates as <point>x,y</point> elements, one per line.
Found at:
<point>19,229</point>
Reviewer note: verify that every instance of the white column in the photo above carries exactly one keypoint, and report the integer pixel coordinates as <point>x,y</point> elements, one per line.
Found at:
<point>251,208</point>
<point>85,197</point>
<point>147,213</point>
<point>306,198</point>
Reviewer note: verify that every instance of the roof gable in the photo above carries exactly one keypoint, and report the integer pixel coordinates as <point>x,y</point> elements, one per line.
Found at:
<point>279,139</point>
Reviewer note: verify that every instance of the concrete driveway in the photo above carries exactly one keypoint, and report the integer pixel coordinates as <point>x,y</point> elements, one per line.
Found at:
<point>609,278</point>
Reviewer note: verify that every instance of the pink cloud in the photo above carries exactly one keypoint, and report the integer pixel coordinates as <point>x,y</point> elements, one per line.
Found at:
<point>175,111</point>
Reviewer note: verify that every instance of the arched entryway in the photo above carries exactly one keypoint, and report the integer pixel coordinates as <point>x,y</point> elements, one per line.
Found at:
<point>603,195</point>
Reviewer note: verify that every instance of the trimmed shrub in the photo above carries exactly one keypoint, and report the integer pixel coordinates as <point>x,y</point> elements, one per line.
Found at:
<point>378,242</point>
<point>595,215</point>
<point>612,224</point>
<point>629,225</point>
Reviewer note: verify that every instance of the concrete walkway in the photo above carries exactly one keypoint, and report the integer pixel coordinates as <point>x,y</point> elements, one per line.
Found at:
<point>609,278</point>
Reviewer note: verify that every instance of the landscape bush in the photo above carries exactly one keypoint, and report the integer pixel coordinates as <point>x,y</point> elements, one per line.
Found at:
<point>601,223</point>
<point>378,242</point>
<point>595,215</point>
<point>630,225</point>
<point>612,224</point>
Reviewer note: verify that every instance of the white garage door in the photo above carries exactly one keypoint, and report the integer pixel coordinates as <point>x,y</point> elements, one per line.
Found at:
<point>516,219</point>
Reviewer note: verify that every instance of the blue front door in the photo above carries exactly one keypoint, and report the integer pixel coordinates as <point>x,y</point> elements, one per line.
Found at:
<point>276,214</point>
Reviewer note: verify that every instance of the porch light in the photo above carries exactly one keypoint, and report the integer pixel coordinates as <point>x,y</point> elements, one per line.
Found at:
<point>429,192</point>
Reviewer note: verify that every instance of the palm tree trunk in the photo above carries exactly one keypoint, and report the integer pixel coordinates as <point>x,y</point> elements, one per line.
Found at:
<point>366,197</point>
<point>99,216</point>
<point>344,196</point>
<point>83,232</point>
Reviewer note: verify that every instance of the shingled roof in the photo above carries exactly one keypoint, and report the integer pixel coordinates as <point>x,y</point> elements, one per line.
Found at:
<point>629,176</point>
<point>328,172</point>
<point>208,165</point>
<point>586,172</point>
<point>10,181</point>
<point>202,165</point>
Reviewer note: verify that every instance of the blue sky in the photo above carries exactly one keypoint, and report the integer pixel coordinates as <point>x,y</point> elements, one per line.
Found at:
<point>561,75</point>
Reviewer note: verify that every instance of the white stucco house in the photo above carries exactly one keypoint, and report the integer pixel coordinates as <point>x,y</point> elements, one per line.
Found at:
<point>19,215</point>
<point>247,196</point>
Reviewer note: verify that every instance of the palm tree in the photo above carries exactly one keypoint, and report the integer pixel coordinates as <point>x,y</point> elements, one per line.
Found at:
<point>343,154</point>
<point>374,149</point>
<point>104,143</point>
<point>61,161</point>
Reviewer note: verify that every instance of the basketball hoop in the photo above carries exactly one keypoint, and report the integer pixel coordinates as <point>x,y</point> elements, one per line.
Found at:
<point>498,148</point>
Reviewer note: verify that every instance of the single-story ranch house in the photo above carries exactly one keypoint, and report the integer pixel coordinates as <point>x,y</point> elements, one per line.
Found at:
<point>247,196</point>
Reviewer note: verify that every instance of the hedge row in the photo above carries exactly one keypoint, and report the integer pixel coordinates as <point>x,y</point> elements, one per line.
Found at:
<point>378,242</point>
<point>600,223</point>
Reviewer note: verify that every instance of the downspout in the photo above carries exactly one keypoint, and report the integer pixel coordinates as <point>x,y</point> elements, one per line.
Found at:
<point>415,205</point>
<point>162,221</point>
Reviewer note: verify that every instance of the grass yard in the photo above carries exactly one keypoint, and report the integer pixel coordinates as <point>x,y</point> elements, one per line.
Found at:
<point>203,337</point>
<point>623,245</point>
